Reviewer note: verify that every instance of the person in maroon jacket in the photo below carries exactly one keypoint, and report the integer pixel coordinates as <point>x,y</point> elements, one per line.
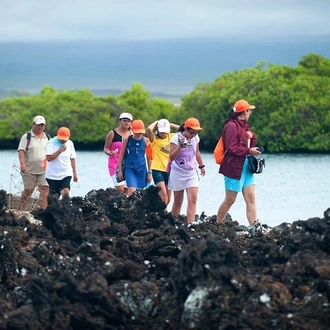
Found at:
<point>239,142</point>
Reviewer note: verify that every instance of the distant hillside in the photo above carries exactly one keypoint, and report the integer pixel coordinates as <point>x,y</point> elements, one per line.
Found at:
<point>166,68</point>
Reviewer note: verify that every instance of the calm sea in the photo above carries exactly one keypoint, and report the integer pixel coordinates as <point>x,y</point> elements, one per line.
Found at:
<point>292,187</point>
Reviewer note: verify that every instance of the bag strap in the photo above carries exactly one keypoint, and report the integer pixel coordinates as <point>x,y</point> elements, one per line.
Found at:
<point>28,139</point>
<point>224,139</point>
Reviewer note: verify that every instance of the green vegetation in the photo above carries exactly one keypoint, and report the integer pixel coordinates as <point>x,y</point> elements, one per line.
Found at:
<point>292,115</point>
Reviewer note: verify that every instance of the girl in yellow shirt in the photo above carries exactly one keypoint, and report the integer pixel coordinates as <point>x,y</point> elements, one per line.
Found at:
<point>160,145</point>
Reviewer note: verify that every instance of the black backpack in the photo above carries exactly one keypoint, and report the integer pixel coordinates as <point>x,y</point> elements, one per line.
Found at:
<point>28,138</point>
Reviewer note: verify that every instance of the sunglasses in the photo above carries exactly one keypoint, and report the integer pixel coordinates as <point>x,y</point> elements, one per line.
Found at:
<point>126,120</point>
<point>192,131</point>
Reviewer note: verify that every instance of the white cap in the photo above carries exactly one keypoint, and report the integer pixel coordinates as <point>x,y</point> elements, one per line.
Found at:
<point>126,115</point>
<point>38,120</point>
<point>163,126</point>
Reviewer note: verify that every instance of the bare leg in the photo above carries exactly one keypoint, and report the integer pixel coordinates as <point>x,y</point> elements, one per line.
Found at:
<point>65,191</point>
<point>169,195</point>
<point>25,198</point>
<point>192,201</point>
<point>163,192</point>
<point>130,191</point>
<point>44,191</point>
<point>121,188</point>
<point>250,200</point>
<point>229,200</point>
<point>177,203</point>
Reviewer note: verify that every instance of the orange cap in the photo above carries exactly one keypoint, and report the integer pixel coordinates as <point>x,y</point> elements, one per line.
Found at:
<point>63,133</point>
<point>138,126</point>
<point>242,105</point>
<point>194,124</point>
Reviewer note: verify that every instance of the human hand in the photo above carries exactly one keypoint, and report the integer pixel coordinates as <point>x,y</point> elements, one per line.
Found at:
<point>203,171</point>
<point>149,177</point>
<point>120,174</point>
<point>183,142</point>
<point>62,148</point>
<point>254,151</point>
<point>113,152</point>
<point>249,134</point>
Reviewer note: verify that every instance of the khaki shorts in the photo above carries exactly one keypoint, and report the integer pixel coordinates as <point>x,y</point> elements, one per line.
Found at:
<point>30,181</point>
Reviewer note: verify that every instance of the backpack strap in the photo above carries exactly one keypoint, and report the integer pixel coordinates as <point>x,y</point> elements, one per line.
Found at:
<point>28,139</point>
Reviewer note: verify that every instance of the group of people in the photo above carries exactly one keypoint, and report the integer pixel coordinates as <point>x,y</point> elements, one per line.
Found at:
<point>136,157</point>
<point>170,163</point>
<point>46,163</point>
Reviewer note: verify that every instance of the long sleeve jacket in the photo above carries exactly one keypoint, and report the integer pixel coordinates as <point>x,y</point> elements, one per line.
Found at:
<point>236,147</point>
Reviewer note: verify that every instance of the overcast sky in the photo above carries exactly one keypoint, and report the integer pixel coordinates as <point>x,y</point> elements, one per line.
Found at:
<point>39,20</point>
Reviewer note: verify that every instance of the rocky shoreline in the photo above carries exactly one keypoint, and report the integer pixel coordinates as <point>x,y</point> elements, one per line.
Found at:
<point>107,261</point>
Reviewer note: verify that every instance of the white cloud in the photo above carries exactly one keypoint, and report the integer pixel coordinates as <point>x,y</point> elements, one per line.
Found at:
<point>159,19</point>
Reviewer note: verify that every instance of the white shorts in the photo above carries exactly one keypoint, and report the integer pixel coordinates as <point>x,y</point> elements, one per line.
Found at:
<point>116,183</point>
<point>179,180</point>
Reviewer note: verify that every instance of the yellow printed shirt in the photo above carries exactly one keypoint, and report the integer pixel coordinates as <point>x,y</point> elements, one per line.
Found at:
<point>160,152</point>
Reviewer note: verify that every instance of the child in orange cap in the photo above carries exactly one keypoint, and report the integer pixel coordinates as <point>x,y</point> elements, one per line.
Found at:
<point>136,170</point>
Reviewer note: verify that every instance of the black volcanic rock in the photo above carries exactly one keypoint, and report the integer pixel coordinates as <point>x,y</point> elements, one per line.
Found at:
<point>108,261</point>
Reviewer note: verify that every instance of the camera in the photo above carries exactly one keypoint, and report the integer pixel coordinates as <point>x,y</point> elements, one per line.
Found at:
<point>184,143</point>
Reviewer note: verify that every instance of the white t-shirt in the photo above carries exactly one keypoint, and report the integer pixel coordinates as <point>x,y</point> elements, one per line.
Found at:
<point>60,167</point>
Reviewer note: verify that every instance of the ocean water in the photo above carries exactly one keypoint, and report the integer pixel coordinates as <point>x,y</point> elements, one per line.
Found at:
<point>167,66</point>
<point>292,187</point>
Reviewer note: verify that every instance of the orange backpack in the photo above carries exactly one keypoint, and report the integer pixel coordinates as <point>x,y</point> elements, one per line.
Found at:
<point>219,151</point>
<point>149,151</point>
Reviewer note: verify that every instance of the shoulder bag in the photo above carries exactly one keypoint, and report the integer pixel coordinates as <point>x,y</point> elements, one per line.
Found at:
<point>256,165</point>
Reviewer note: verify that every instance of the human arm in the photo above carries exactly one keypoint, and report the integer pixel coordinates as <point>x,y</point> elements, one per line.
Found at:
<point>56,153</point>
<point>176,146</point>
<point>108,143</point>
<point>121,157</point>
<point>149,176</point>
<point>22,152</point>
<point>175,126</point>
<point>150,130</point>
<point>201,165</point>
<point>74,169</point>
<point>252,143</point>
<point>149,161</point>
<point>21,157</point>
<point>252,136</point>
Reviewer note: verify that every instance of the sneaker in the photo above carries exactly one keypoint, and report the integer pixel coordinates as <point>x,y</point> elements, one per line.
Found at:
<point>255,230</point>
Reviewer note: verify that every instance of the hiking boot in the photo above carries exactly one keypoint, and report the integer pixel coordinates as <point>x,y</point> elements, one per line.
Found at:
<point>255,230</point>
